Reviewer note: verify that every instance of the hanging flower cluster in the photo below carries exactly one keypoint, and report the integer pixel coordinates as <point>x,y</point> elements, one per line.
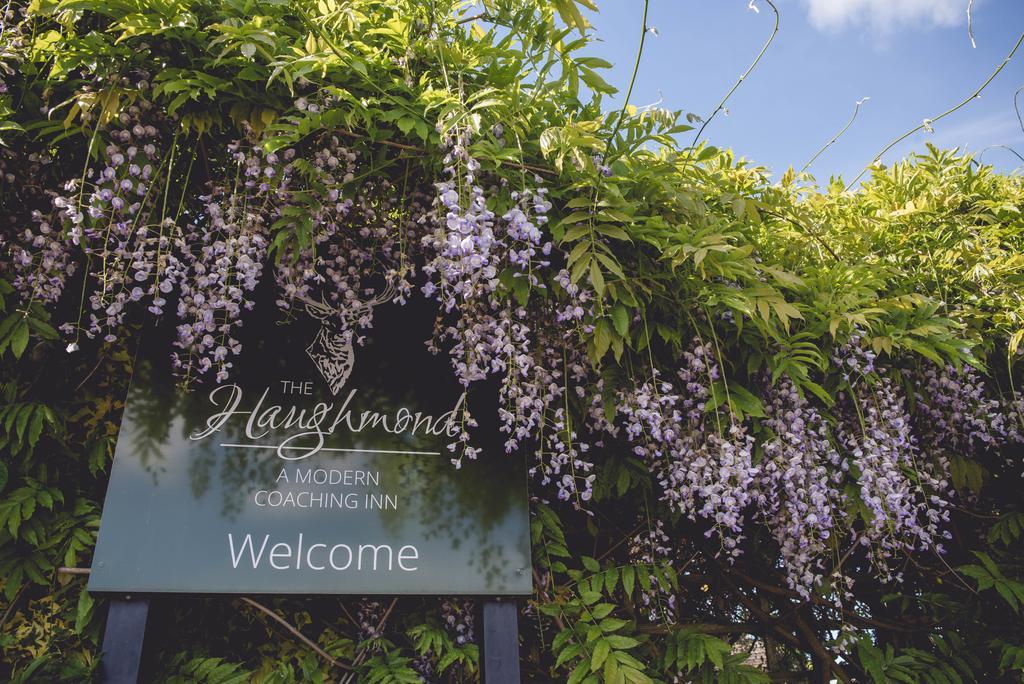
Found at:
<point>800,493</point>
<point>904,494</point>
<point>42,261</point>
<point>703,459</point>
<point>116,221</point>
<point>470,244</point>
<point>109,216</point>
<point>472,253</point>
<point>216,284</point>
<point>955,413</point>
<point>357,233</point>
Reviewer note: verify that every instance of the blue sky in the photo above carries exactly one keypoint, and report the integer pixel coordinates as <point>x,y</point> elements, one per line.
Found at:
<point>913,58</point>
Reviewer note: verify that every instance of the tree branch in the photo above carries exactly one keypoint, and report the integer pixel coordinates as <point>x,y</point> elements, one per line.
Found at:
<point>861,620</point>
<point>704,627</point>
<point>361,656</point>
<point>820,651</point>
<point>299,635</point>
<point>813,234</point>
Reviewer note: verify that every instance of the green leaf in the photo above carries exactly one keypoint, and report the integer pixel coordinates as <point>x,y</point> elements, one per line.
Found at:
<point>622,642</point>
<point>620,318</point>
<point>628,579</point>
<point>8,324</point>
<point>1005,590</point>
<point>598,655</point>
<point>19,339</point>
<point>83,612</point>
<point>35,428</point>
<point>602,337</point>
<point>579,673</point>
<point>744,403</point>
<point>612,231</point>
<point>576,232</point>
<point>596,278</point>
<point>567,654</point>
<point>43,329</point>
<point>611,624</point>
<point>612,675</point>
<point>871,659</point>
<point>817,390</point>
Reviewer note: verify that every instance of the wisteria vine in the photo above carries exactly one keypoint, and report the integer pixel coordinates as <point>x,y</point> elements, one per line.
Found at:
<point>508,309</point>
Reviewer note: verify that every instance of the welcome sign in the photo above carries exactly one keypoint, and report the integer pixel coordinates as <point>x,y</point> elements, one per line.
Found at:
<point>319,467</point>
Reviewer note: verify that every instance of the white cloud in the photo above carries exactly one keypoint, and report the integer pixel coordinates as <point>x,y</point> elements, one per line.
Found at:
<point>885,15</point>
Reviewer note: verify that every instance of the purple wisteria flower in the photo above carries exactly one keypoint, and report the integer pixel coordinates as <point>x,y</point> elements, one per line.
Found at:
<point>703,460</point>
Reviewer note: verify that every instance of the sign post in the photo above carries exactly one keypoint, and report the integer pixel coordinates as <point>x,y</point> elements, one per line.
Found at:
<point>123,639</point>
<point>318,467</point>
<point>501,642</point>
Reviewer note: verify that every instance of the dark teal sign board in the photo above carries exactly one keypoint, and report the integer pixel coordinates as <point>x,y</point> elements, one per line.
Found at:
<point>319,467</point>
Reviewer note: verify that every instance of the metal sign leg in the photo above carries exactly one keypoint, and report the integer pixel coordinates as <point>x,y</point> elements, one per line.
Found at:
<point>501,642</point>
<point>122,641</point>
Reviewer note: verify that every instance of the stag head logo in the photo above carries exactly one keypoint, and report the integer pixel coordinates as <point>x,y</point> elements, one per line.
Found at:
<point>331,349</point>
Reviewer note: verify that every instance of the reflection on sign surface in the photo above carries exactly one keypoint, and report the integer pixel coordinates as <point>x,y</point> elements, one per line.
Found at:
<point>287,478</point>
